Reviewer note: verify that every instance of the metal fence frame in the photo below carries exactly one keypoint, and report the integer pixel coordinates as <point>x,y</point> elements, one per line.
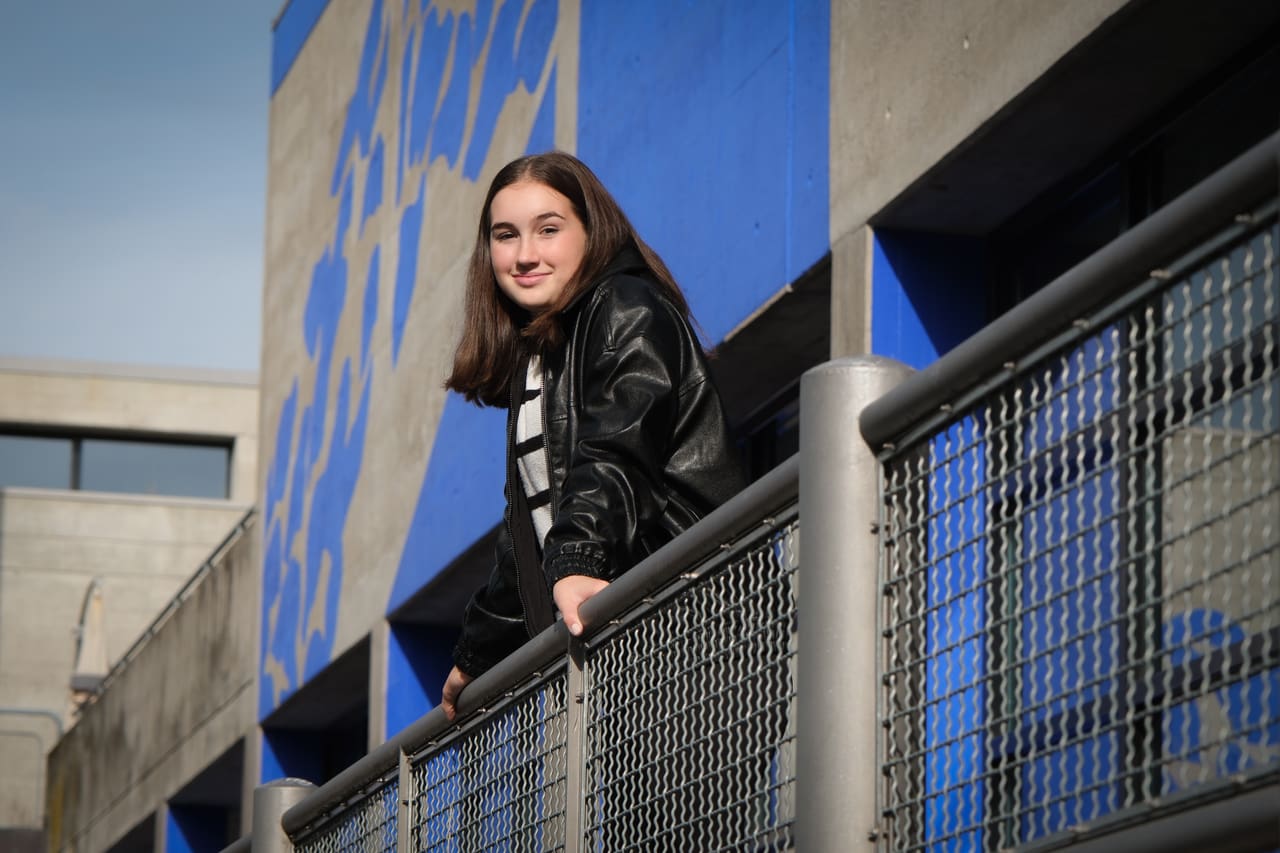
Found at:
<point>678,564</point>
<point>835,479</point>
<point>1216,213</point>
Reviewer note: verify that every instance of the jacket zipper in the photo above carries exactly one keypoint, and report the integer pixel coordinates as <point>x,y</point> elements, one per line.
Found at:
<point>511,469</point>
<point>546,446</point>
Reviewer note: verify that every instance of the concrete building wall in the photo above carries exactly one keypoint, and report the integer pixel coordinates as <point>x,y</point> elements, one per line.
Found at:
<point>211,404</point>
<point>912,81</point>
<point>184,701</point>
<point>910,84</point>
<point>55,545</point>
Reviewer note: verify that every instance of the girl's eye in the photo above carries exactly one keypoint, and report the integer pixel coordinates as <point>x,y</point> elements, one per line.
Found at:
<point>502,236</point>
<point>550,229</point>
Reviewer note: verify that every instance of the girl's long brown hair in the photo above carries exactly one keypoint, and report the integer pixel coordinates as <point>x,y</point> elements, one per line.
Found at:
<point>495,330</point>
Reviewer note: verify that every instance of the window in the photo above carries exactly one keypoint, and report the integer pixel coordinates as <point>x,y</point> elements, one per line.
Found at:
<point>35,461</point>
<point>1211,125</point>
<point>153,468</point>
<point>133,465</point>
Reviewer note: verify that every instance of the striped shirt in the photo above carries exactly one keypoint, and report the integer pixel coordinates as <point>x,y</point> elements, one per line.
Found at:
<point>531,457</point>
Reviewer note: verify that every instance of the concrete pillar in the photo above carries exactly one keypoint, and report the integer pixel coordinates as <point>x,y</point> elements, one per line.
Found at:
<point>251,772</point>
<point>379,647</point>
<point>851,293</point>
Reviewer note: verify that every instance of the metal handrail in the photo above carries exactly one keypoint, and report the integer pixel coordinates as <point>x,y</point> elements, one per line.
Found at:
<point>740,514</point>
<point>1138,253</point>
<point>169,609</point>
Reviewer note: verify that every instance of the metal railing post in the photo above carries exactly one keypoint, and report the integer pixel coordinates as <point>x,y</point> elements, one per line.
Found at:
<point>839,596</point>
<point>270,802</point>
<point>406,799</point>
<point>575,697</point>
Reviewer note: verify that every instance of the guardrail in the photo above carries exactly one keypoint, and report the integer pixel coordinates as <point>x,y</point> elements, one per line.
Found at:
<point>1074,629</point>
<point>1081,550</point>
<point>180,597</point>
<point>675,703</point>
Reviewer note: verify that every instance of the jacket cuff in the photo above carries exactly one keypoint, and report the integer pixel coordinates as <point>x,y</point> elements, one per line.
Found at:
<point>468,661</point>
<point>576,558</point>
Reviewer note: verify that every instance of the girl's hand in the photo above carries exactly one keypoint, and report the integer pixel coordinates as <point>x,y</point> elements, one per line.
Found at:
<point>569,593</point>
<point>452,687</point>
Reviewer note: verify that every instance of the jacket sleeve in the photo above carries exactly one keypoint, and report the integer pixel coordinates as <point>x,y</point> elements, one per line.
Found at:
<point>493,623</point>
<point>613,494</point>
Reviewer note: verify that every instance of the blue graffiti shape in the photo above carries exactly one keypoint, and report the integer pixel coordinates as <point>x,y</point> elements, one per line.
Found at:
<point>515,56</point>
<point>273,551</point>
<point>370,316</point>
<point>364,103</point>
<point>372,184</point>
<point>437,32</point>
<point>406,66</point>
<point>329,505</point>
<point>291,590</point>
<point>289,35</point>
<point>451,120</point>
<point>319,326</point>
<point>543,136</point>
<point>407,267</point>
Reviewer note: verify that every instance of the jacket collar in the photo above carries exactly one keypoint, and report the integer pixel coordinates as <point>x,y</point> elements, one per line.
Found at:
<point>628,260</point>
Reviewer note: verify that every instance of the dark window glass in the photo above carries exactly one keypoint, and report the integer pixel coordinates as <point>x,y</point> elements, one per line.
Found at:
<point>1234,117</point>
<point>1031,258</point>
<point>35,461</point>
<point>154,468</point>
<point>772,435</point>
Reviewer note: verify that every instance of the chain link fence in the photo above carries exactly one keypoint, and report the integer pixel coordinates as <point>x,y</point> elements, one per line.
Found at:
<point>367,823</point>
<point>1082,569</point>
<point>502,782</point>
<point>689,737</point>
<point>672,725</point>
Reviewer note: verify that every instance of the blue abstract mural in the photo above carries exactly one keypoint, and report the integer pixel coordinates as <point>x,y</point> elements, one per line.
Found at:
<point>718,153</point>
<point>445,117</point>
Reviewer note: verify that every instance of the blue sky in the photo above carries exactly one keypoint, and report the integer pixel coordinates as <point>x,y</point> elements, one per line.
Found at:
<point>132,180</point>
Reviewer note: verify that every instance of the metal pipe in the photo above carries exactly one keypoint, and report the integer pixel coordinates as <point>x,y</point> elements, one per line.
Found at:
<point>839,510</point>
<point>270,802</point>
<point>1189,219</point>
<point>740,513</point>
<point>40,762</point>
<point>36,712</point>
<point>174,603</point>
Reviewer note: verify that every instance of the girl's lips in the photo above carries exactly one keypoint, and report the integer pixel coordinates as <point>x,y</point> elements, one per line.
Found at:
<point>530,279</point>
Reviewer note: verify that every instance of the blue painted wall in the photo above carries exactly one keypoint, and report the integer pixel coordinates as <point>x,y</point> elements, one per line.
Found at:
<point>196,829</point>
<point>708,121</point>
<point>928,293</point>
<point>418,660</point>
<point>290,34</point>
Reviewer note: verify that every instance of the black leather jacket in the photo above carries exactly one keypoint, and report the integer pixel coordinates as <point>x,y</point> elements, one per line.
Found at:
<point>638,449</point>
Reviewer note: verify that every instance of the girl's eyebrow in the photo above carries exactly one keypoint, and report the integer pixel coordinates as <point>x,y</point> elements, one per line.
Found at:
<point>550,214</point>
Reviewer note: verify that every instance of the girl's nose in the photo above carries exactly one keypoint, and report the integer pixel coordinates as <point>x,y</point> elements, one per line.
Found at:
<point>525,254</point>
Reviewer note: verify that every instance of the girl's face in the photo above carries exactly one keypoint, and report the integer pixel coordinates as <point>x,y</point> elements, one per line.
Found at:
<point>536,242</point>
